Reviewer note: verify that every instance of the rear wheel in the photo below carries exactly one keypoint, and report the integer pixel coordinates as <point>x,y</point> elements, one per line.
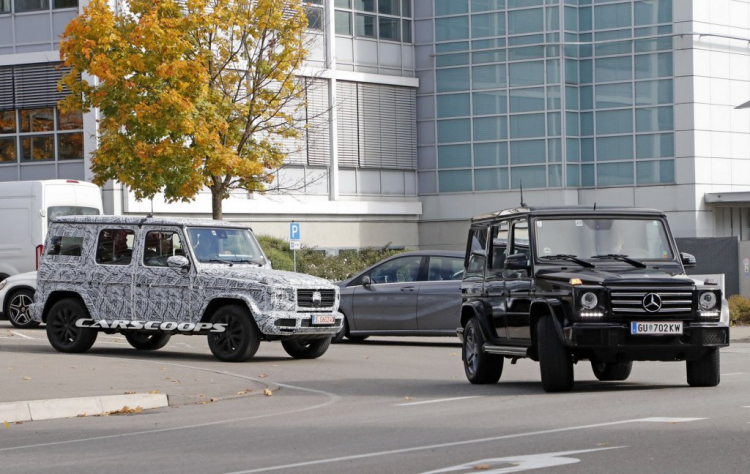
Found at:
<point>611,371</point>
<point>62,332</point>
<point>144,341</point>
<point>480,367</point>
<point>351,337</point>
<point>241,337</point>
<point>555,362</point>
<point>705,372</point>
<point>17,309</point>
<point>311,349</point>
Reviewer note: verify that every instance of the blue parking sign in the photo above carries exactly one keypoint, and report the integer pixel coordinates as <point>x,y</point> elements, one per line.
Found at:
<point>294,231</point>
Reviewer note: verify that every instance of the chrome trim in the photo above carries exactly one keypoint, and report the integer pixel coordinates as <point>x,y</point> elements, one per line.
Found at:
<point>505,350</point>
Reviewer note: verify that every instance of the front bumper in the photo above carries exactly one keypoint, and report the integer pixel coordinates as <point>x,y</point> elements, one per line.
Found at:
<point>613,341</point>
<point>289,323</point>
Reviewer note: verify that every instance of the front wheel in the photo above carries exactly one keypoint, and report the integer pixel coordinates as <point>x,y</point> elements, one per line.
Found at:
<point>311,349</point>
<point>241,337</point>
<point>480,367</point>
<point>611,371</point>
<point>62,332</point>
<point>555,362</point>
<point>17,309</point>
<point>144,341</point>
<point>705,372</point>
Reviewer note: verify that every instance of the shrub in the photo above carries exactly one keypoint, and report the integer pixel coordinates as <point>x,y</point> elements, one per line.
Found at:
<point>318,263</point>
<point>739,309</point>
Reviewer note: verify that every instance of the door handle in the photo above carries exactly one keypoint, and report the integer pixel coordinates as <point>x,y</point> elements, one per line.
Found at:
<point>407,288</point>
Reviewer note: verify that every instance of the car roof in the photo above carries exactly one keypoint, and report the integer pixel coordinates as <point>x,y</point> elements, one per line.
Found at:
<point>587,211</point>
<point>141,220</point>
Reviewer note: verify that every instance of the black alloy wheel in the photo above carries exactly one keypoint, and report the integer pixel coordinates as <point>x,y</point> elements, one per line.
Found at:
<point>62,332</point>
<point>480,367</point>
<point>310,349</point>
<point>147,341</point>
<point>241,337</point>
<point>17,309</point>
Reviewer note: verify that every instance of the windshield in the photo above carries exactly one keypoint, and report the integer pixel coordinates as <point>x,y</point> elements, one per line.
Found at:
<point>640,239</point>
<point>60,211</point>
<point>220,245</point>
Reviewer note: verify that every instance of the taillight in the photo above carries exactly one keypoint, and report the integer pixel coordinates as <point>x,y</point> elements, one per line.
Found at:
<point>39,252</point>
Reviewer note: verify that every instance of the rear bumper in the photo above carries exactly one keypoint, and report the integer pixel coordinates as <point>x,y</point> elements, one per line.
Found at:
<point>612,341</point>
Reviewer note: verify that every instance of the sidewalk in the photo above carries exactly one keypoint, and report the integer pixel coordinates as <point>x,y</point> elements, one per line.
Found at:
<point>739,334</point>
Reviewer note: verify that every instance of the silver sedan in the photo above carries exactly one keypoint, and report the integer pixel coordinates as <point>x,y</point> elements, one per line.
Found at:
<point>410,294</point>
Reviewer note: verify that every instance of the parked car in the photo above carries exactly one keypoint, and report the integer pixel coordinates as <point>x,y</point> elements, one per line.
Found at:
<point>29,206</point>
<point>409,294</point>
<point>149,278</point>
<point>562,285</point>
<point>16,296</point>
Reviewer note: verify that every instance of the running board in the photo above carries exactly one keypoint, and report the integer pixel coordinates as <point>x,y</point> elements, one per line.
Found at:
<point>506,350</point>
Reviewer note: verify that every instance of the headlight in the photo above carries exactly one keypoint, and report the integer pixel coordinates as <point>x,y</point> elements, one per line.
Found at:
<point>589,300</point>
<point>708,300</point>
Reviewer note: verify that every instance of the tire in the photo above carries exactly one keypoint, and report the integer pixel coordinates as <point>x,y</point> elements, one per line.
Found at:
<point>145,341</point>
<point>555,362</point>
<point>342,332</point>
<point>241,337</point>
<point>62,332</point>
<point>480,367</point>
<point>17,309</point>
<point>345,331</point>
<point>705,372</point>
<point>611,371</point>
<point>306,349</point>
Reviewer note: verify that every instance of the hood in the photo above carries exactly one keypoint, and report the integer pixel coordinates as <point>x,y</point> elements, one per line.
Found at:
<point>263,276</point>
<point>619,276</point>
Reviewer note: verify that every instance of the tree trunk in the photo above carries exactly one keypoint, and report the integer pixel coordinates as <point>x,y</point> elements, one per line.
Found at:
<point>217,198</point>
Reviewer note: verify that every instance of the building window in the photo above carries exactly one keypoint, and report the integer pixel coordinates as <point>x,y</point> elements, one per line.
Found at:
<point>315,14</point>
<point>388,20</point>
<point>5,6</point>
<point>42,134</point>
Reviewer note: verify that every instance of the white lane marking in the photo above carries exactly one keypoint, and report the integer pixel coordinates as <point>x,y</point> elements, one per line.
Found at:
<point>461,443</point>
<point>332,398</point>
<point>435,401</point>
<point>733,373</point>
<point>22,335</point>
<point>522,463</point>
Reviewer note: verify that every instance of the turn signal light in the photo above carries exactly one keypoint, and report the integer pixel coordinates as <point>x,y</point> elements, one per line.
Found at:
<point>576,281</point>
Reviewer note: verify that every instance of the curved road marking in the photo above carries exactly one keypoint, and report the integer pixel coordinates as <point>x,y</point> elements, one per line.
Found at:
<point>425,402</point>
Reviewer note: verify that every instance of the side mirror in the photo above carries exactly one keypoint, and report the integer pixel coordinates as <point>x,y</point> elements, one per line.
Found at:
<point>516,261</point>
<point>687,260</point>
<point>366,281</point>
<point>178,261</point>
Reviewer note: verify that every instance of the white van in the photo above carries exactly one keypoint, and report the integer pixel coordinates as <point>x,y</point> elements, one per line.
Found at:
<point>26,208</point>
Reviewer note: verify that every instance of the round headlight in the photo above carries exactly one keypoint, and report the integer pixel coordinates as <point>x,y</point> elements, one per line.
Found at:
<point>589,300</point>
<point>708,300</point>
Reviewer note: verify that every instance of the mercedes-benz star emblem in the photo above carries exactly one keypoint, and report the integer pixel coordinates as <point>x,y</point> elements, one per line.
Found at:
<point>652,302</point>
<point>317,298</point>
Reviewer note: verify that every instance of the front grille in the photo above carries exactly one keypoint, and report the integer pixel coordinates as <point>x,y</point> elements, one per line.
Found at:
<point>286,322</point>
<point>307,302</point>
<point>675,302</point>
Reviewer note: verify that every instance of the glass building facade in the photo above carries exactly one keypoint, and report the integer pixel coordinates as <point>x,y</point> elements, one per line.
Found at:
<point>546,94</point>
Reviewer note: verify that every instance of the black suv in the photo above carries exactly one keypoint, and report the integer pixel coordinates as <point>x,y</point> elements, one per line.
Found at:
<point>564,284</point>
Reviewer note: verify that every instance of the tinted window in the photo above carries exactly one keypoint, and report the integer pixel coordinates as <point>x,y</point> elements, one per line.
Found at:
<point>477,242</point>
<point>499,249</point>
<point>445,268</point>
<point>60,211</point>
<point>217,245</point>
<point>67,246</point>
<point>400,270</point>
<point>115,247</point>
<point>160,246</point>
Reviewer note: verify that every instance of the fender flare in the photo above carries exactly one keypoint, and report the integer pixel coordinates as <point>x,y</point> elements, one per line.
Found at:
<point>472,309</point>
<point>552,307</point>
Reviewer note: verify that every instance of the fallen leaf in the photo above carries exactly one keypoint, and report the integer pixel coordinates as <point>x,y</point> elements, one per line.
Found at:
<point>7,425</point>
<point>602,444</point>
<point>154,391</point>
<point>129,393</point>
<point>19,422</point>
<point>262,376</point>
<point>408,398</point>
<point>126,410</point>
<point>201,395</point>
<point>267,392</point>
<point>481,467</point>
<point>248,390</point>
<point>27,378</point>
<point>241,393</point>
<point>453,354</point>
<point>366,357</point>
<point>214,400</point>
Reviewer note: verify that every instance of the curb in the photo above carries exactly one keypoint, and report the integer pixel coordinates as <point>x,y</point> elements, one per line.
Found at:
<point>36,410</point>
<point>175,400</point>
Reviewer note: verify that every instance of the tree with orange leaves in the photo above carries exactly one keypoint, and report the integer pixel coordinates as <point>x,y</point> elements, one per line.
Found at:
<point>192,93</point>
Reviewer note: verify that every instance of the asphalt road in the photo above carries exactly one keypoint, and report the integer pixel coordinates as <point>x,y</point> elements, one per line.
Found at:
<point>398,406</point>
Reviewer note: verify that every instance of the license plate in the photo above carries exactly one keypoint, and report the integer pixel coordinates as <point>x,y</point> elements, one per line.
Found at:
<point>654,328</point>
<point>321,319</point>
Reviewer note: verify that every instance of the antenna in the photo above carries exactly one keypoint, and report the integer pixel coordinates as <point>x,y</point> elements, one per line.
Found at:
<point>523,204</point>
<point>594,206</point>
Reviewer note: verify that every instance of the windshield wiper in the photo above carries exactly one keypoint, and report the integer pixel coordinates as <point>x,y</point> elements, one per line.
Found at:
<point>248,261</point>
<point>622,258</point>
<point>570,258</point>
<point>216,260</point>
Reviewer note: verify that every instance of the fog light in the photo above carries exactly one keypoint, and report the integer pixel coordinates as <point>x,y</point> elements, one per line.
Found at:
<point>708,300</point>
<point>589,300</point>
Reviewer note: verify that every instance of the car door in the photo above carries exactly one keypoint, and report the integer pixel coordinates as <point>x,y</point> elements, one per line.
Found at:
<point>110,284</point>
<point>439,299</point>
<point>162,293</point>
<point>518,286</point>
<point>495,279</point>
<point>389,303</point>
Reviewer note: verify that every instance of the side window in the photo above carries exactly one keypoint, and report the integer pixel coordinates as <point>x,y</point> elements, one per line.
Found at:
<point>115,247</point>
<point>499,249</point>
<point>445,268</point>
<point>476,263</point>
<point>519,244</point>
<point>400,270</point>
<point>65,246</point>
<point>159,246</point>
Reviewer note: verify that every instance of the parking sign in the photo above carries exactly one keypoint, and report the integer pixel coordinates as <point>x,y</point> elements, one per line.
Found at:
<point>294,231</point>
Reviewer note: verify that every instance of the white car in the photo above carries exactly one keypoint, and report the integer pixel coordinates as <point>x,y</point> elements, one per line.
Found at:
<point>16,295</point>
